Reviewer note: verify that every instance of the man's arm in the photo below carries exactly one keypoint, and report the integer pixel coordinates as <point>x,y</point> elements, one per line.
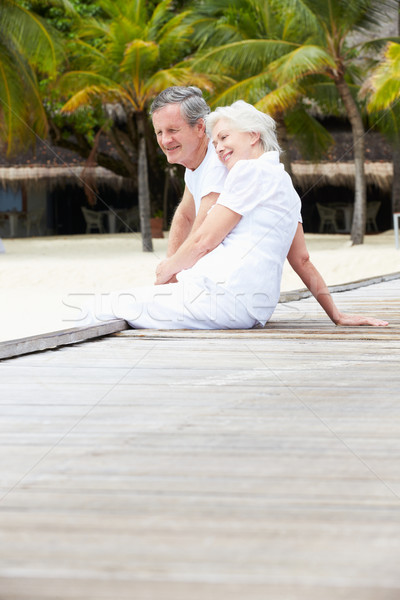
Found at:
<point>182,222</point>
<point>200,242</point>
<point>299,260</point>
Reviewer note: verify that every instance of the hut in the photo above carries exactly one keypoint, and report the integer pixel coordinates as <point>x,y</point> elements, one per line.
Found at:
<point>327,187</point>
<point>42,193</point>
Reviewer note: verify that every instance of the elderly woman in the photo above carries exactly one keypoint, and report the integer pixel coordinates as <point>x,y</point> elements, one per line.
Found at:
<point>229,269</point>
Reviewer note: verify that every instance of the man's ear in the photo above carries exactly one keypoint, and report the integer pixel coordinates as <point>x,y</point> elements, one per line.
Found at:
<point>200,127</point>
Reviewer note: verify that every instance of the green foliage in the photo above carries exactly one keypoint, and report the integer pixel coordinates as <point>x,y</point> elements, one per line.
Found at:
<point>28,46</point>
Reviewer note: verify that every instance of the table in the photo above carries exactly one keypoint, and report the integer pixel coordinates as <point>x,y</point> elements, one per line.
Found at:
<point>347,211</point>
<point>111,215</point>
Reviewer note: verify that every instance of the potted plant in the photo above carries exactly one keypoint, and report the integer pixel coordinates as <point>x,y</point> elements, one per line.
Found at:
<point>156,224</point>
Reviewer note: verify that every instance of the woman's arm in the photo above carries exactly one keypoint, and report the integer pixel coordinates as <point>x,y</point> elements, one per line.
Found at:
<point>299,260</point>
<point>215,227</point>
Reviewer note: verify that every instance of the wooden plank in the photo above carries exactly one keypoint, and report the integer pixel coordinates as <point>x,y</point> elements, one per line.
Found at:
<point>38,343</point>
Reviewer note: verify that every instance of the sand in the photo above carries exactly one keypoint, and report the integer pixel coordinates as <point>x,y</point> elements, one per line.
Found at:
<point>42,279</point>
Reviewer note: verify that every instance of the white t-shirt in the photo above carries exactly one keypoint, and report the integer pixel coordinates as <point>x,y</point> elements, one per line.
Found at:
<point>209,177</point>
<point>248,263</point>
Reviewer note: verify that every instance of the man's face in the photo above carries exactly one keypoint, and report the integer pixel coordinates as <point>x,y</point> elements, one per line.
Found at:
<point>181,143</point>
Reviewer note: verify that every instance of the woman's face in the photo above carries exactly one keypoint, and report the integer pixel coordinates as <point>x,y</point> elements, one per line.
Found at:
<point>232,145</point>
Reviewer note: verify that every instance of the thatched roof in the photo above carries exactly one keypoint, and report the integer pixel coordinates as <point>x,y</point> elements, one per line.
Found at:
<point>306,174</point>
<point>55,175</point>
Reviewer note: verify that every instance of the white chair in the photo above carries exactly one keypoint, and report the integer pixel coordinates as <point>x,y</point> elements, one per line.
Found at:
<point>396,219</point>
<point>372,211</point>
<point>128,219</point>
<point>34,219</point>
<point>93,219</point>
<point>327,217</point>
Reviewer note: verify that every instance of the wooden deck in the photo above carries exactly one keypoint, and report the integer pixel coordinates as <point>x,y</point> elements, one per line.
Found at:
<point>236,465</point>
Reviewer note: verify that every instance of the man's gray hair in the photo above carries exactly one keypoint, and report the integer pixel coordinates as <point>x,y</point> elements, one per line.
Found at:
<point>245,117</point>
<point>193,105</point>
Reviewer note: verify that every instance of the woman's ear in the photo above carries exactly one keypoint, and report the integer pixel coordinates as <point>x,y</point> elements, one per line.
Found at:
<point>255,137</point>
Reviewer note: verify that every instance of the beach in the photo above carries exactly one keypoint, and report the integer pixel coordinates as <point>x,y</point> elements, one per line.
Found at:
<point>45,279</point>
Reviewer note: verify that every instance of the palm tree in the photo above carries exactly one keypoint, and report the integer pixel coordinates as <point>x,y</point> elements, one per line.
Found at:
<point>229,28</point>
<point>383,92</point>
<point>122,62</point>
<point>324,54</point>
<point>28,45</point>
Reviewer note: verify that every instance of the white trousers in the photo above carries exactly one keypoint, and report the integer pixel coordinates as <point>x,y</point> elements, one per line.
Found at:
<point>182,305</point>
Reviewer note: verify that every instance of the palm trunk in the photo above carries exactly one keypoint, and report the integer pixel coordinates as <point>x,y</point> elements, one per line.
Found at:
<point>396,177</point>
<point>281,132</point>
<point>396,154</point>
<point>360,195</point>
<point>143,187</point>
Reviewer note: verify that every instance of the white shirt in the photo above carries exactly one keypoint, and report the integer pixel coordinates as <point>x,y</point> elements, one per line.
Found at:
<point>248,263</point>
<point>209,177</point>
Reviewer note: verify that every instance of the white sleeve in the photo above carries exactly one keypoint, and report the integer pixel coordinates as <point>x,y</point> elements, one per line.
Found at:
<point>248,185</point>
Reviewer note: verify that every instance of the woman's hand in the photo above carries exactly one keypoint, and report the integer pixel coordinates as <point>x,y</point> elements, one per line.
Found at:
<point>358,320</point>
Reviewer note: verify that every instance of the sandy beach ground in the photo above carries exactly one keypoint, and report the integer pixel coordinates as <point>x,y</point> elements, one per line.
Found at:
<point>44,279</point>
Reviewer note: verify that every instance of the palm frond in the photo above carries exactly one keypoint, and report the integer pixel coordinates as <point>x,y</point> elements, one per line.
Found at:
<point>384,83</point>
<point>140,57</point>
<point>251,89</point>
<point>31,34</point>
<point>87,95</point>
<point>311,137</point>
<point>302,61</point>
<point>251,55</point>
<point>161,14</point>
<point>22,115</point>
<point>281,99</point>
<point>74,81</point>
<point>175,76</point>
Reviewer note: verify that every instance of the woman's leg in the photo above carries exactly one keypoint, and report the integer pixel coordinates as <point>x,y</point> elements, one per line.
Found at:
<point>182,305</point>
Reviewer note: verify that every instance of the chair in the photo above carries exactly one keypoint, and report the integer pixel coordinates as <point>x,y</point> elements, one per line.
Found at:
<point>327,217</point>
<point>396,220</point>
<point>93,219</point>
<point>34,219</point>
<point>128,219</point>
<point>372,211</point>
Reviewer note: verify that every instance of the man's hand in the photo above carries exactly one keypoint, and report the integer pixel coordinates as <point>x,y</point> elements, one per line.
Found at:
<point>164,273</point>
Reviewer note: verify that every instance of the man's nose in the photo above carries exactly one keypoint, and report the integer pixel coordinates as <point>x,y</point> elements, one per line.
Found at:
<point>165,138</point>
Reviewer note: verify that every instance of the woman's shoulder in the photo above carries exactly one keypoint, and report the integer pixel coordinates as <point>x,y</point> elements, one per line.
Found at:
<point>265,166</point>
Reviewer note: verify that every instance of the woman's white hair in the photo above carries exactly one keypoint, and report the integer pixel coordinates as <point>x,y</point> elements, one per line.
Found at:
<point>244,117</point>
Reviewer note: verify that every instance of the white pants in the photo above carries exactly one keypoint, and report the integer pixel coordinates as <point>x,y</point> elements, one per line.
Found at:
<point>182,305</point>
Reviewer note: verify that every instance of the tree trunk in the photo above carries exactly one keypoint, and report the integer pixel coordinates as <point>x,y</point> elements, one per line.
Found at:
<point>360,195</point>
<point>281,133</point>
<point>143,187</point>
<point>396,177</point>
<point>396,155</point>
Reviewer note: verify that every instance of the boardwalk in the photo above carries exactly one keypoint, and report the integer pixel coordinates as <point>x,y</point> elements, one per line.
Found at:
<point>252,465</point>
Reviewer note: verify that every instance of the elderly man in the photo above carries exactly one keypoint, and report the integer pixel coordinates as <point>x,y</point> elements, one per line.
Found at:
<point>178,115</point>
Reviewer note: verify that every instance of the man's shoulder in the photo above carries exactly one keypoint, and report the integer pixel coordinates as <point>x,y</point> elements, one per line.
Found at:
<point>210,165</point>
